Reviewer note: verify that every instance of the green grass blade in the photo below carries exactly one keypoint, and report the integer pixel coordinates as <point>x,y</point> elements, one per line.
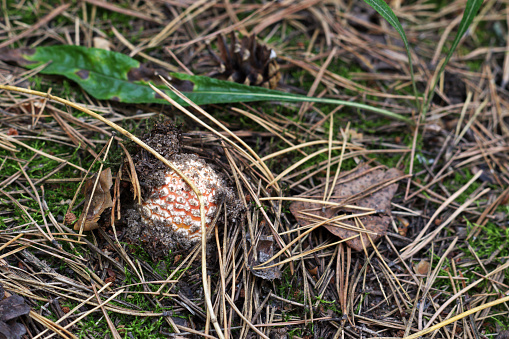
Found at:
<point>108,75</point>
<point>213,88</point>
<point>471,10</point>
<point>386,12</point>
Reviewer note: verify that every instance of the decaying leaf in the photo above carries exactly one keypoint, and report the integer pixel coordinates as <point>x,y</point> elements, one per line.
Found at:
<point>422,267</point>
<point>17,56</point>
<point>364,187</point>
<point>131,170</point>
<point>264,251</point>
<point>12,307</point>
<point>100,201</point>
<point>102,43</point>
<point>403,227</point>
<point>503,335</point>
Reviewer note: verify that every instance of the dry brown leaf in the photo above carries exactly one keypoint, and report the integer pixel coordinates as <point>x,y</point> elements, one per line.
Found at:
<point>503,335</point>
<point>353,135</point>
<point>422,267</point>
<point>264,250</point>
<point>12,131</point>
<point>100,201</point>
<point>133,175</point>
<point>365,187</point>
<point>403,228</point>
<point>12,307</point>
<point>102,43</point>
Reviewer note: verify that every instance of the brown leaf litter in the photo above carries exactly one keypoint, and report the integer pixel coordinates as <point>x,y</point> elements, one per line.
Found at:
<point>261,251</point>
<point>366,187</point>
<point>99,200</point>
<point>12,306</point>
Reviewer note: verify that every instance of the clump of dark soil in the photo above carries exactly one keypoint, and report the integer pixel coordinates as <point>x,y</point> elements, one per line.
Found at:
<point>166,139</point>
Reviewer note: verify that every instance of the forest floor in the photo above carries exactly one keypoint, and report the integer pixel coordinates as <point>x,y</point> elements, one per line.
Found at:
<point>372,225</point>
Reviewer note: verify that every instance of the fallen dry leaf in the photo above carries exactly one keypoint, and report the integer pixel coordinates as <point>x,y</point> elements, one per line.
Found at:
<point>100,201</point>
<point>503,335</point>
<point>102,43</point>
<point>422,267</point>
<point>364,187</point>
<point>353,135</point>
<point>265,251</point>
<point>403,228</point>
<point>12,307</point>
<point>313,271</point>
<point>12,131</point>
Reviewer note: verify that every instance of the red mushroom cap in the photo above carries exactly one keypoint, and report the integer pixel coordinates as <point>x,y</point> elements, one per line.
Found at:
<point>175,205</point>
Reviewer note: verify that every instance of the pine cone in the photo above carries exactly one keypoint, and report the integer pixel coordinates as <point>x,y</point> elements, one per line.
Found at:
<point>246,62</point>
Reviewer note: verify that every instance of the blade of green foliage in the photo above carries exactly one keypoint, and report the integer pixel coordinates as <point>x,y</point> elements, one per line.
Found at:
<point>471,10</point>
<point>108,75</point>
<point>386,12</point>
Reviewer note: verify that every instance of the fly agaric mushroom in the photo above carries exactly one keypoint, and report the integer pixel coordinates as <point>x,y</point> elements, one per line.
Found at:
<point>170,215</point>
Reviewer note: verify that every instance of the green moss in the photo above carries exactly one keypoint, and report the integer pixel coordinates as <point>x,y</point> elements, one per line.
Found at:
<point>55,193</point>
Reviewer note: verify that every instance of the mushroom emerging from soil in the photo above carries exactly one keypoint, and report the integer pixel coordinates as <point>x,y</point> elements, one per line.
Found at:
<point>169,215</point>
